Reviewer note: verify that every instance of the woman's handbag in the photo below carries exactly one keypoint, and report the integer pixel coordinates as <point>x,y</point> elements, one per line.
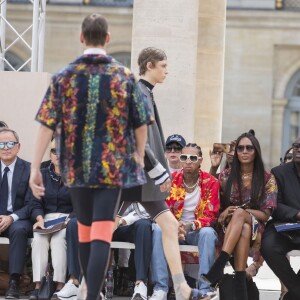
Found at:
<point>226,288</point>
<point>47,287</point>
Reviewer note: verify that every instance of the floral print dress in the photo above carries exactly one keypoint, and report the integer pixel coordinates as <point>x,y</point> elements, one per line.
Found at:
<point>268,201</point>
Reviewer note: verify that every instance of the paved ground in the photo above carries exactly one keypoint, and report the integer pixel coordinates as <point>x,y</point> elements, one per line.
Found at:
<point>264,295</point>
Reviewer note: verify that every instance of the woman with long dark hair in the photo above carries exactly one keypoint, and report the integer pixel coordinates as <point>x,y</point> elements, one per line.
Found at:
<point>248,197</point>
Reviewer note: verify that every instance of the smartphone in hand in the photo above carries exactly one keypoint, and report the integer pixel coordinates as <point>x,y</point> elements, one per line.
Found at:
<point>222,147</point>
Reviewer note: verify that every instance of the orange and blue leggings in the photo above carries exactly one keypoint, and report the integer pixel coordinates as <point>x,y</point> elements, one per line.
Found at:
<point>95,210</point>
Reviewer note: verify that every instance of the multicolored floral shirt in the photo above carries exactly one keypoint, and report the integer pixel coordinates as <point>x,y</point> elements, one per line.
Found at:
<point>206,212</point>
<point>270,193</point>
<point>94,105</point>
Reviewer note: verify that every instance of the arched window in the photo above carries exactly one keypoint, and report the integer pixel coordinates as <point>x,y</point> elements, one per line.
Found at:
<point>291,121</point>
<point>123,57</point>
<point>15,61</point>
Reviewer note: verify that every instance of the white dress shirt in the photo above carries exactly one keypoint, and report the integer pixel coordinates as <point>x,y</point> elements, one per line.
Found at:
<point>9,179</point>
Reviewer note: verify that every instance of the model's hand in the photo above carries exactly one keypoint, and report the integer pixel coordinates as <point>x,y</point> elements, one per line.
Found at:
<point>215,158</point>
<point>166,186</point>
<point>139,158</point>
<point>5,222</point>
<point>36,183</point>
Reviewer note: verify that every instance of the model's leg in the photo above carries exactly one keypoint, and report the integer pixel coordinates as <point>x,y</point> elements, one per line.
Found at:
<point>82,199</point>
<point>104,212</point>
<point>241,253</point>
<point>95,209</point>
<point>169,228</point>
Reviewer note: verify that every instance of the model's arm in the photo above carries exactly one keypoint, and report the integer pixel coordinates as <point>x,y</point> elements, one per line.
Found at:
<point>141,139</point>
<point>36,181</point>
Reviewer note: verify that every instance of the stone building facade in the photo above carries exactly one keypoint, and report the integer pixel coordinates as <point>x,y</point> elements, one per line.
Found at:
<point>262,62</point>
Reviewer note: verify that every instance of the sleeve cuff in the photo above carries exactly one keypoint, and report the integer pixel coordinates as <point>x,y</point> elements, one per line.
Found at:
<point>15,217</point>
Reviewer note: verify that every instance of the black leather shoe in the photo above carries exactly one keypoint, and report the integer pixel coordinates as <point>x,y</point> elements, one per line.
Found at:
<point>13,290</point>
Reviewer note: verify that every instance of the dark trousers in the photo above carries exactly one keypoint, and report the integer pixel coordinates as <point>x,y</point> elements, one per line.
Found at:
<point>72,248</point>
<point>17,233</point>
<point>275,246</point>
<point>139,233</point>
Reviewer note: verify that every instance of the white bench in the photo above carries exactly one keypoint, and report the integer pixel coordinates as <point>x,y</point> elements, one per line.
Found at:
<point>117,245</point>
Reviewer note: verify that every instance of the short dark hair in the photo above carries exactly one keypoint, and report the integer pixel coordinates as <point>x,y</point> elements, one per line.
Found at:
<point>94,29</point>
<point>150,54</point>
<point>6,129</point>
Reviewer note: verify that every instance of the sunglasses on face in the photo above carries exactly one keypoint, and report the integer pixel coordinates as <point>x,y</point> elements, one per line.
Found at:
<point>191,158</point>
<point>241,148</point>
<point>176,149</point>
<point>296,146</point>
<point>9,145</point>
<point>53,151</point>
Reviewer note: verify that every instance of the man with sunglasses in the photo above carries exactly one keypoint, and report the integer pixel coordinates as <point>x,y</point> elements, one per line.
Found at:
<point>174,145</point>
<point>194,201</point>
<point>276,245</point>
<point>14,206</point>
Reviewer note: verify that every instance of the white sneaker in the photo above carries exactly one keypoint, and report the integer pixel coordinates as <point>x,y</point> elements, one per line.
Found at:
<point>140,292</point>
<point>69,291</point>
<point>212,295</point>
<point>159,295</point>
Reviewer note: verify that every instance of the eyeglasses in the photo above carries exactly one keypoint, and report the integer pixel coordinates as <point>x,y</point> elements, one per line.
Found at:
<point>241,148</point>
<point>191,158</point>
<point>9,145</point>
<point>53,151</point>
<point>296,146</point>
<point>176,149</point>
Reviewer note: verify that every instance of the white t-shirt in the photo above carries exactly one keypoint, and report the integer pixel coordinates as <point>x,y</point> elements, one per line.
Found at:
<point>190,203</point>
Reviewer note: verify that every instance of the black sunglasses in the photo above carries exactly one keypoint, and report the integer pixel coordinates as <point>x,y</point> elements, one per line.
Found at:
<point>176,149</point>
<point>296,146</point>
<point>241,148</point>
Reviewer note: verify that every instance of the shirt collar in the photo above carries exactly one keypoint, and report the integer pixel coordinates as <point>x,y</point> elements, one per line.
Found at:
<point>11,166</point>
<point>147,84</point>
<point>94,51</point>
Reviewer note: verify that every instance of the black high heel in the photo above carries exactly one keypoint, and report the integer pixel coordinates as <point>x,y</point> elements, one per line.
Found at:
<point>216,272</point>
<point>214,282</point>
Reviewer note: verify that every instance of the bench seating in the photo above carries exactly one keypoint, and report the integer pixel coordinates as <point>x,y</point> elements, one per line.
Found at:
<point>117,245</point>
<point>124,245</point>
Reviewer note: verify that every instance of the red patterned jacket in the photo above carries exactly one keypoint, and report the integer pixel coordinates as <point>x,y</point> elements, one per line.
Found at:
<point>206,212</point>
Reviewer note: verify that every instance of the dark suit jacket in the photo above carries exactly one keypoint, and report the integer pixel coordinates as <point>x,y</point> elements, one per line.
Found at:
<point>20,189</point>
<point>288,198</point>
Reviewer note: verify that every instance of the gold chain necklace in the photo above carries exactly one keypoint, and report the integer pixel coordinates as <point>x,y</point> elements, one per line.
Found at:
<point>246,176</point>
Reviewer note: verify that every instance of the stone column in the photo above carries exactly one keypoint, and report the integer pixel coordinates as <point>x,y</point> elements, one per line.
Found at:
<point>192,33</point>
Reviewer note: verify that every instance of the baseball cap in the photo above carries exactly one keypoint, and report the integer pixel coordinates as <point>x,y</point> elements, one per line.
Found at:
<point>176,138</point>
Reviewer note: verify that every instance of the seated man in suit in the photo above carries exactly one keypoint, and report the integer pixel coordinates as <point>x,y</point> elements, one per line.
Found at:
<point>276,245</point>
<point>14,206</point>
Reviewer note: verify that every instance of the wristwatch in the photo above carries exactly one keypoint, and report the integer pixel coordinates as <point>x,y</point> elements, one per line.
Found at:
<point>194,226</point>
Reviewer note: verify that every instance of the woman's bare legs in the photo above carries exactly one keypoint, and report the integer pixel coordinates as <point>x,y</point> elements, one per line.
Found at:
<point>169,228</point>
<point>241,251</point>
<point>234,230</point>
